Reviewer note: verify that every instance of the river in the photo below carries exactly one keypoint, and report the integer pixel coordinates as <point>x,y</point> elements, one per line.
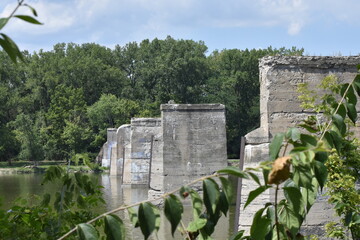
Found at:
<point>13,186</point>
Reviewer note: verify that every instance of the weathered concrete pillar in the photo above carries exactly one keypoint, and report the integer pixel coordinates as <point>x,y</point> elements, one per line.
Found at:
<point>142,134</point>
<point>108,147</point>
<point>123,142</point>
<point>279,110</point>
<point>194,142</point>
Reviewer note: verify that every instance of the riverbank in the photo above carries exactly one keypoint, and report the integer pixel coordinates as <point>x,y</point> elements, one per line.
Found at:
<point>29,167</point>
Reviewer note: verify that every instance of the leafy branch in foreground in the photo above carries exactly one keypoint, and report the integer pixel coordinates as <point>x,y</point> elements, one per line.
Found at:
<point>6,42</point>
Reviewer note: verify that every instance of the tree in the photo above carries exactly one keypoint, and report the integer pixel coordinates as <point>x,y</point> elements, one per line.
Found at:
<point>27,134</point>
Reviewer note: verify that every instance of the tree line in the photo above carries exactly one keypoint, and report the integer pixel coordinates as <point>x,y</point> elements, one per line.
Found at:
<point>58,103</point>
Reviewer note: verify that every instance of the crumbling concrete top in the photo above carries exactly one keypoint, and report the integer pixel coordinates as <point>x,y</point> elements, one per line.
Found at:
<point>192,107</point>
<point>310,61</point>
<point>146,122</point>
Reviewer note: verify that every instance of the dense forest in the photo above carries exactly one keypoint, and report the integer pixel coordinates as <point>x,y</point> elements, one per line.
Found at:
<point>58,103</point>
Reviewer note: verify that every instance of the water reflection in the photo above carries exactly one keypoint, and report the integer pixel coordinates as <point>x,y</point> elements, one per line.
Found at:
<point>115,195</point>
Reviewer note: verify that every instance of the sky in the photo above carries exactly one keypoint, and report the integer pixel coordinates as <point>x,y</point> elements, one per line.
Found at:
<point>321,27</point>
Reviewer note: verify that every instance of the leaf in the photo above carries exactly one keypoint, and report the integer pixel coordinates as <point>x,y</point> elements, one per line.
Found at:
<point>309,196</point>
<point>329,140</point>
<point>237,236</point>
<point>3,22</point>
<point>211,195</point>
<point>28,19</point>
<point>302,176</point>
<point>233,171</point>
<point>223,204</point>
<point>87,232</point>
<point>10,48</point>
<point>147,219</point>
<point>254,177</point>
<point>260,226</point>
<point>254,193</point>
<point>351,112</point>
<point>114,228</point>
<point>197,203</point>
<point>337,140</point>
<point>173,211</point>
<point>351,97</point>
<point>275,146</point>
<point>342,110</point>
<point>294,197</point>
<point>320,173</point>
<point>308,140</point>
<point>227,188</point>
<point>339,123</point>
<point>32,9</point>
<point>133,217</point>
<point>293,134</point>
<point>196,225</point>
<point>291,219</point>
<point>356,84</point>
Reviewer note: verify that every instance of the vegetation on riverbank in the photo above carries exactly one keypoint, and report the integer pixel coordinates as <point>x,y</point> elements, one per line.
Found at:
<point>41,167</point>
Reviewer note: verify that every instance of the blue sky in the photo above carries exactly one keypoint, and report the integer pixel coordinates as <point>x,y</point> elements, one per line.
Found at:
<point>321,27</point>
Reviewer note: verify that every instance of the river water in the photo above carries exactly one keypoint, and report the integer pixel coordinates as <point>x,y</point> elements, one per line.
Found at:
<point>13,186</point>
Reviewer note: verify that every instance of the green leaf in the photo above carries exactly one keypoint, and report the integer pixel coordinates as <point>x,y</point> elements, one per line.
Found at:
<point>237,236</point>
<point>133,217</point>
<point>32,9</point>
<point>28,19</point>
<point>356,84</point>
<point>254,177</point>
<point>196,225</point>
<point>233,171</point>
<point>275,146</point>
<point>211,195</point>
<point>308,140</point>
<point>351,97</point>
<point>342,110</point>
<point>254,193</point>
<point>197,204</point>
<point>114,228</point>
<point>311,129</point>
<point>291,219</point>
<point>147,219</point>
<point>223,203</point>
<point>351,112</point>
<point>293,134</point>
<point>329,140</point>
<point>87,232</point>
<point>10,48</point>
<point>3,22</point>
<point>173,211</point>
<point>309,196</point>
<point>228,189</point>
<point>320,173</point>
<point>302,176</point>
<point>321,156</point>
<point>260,226</point>
<point>294,197</point>
<point>339,123</point>
<point>337,140</point>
